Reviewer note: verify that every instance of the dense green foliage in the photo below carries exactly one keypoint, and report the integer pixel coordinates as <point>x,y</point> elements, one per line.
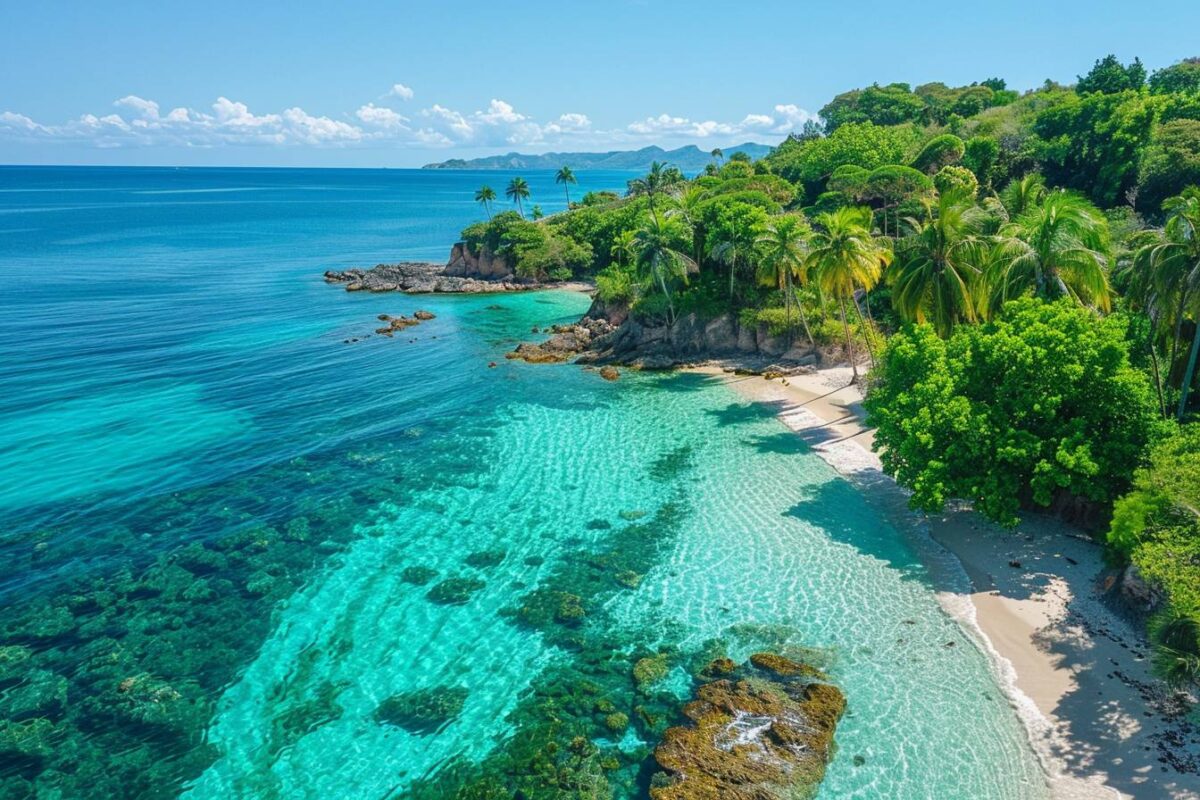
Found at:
<point>1157,526</point>
<point>1040,402</point>
<point>998,232</point>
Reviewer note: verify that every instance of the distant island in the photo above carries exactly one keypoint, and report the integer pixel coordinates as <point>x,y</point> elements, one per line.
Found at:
<point>688,159</point>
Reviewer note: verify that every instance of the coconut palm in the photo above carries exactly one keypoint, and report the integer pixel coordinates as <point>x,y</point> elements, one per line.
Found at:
<point>517,191</point>
<point>1023,194</point>
<point>718,154</point>
<point>1056,248</point>
<point>484,196</point>
<point>1176,637</point>
<point>843,257</point>
<point>566,177</point>
<point>687,200</point>
<point>1166,277</point>
<point>937,274</point>
<point>660,179</point>
<point>624,247</point>
<point>782,244</point>
<point>659,261</point>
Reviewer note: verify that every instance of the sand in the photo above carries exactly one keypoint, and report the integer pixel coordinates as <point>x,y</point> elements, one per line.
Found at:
<point>1038,600</point>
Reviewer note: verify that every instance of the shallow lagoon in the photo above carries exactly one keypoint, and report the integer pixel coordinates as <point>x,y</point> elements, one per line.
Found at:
<point>210,501</point>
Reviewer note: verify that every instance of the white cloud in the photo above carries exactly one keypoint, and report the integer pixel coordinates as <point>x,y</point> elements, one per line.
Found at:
<point>147,108</point>
<point>499,124</point>
<point>401,91</point>
<point>372,114</point>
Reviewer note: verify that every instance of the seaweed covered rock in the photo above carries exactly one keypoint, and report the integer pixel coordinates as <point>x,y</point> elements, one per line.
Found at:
<point>422,711</point>
<point>765,732</point>
<point>485,558</point>
<point>454,591</point>
<point>418,575</point>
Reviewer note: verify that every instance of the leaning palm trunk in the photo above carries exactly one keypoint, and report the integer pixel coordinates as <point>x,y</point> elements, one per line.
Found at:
<point>1178,332</point>
<point>865,332</point>
<point>662,281</point>
<point>1189,373</point>
<point>804,322</point>
<point>849,342</point>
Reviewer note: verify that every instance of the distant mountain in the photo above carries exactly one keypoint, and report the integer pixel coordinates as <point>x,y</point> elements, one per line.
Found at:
<point>689,159</point>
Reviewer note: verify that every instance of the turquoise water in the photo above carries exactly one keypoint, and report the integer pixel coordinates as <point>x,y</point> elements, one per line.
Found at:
<point>210,500</point>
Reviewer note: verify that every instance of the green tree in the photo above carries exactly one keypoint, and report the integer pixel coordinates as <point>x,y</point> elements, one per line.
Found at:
<point>566,177</point>
<point>517,191</point>
<point>1057,248</point>
<point>844,257</point>
<point>1167,278</point>
<point>782,247</point>
<point>1110,76</point>
<point>536,212</point>
<point>1023,194</point>
<point>892,185</point>
<point>881,105</point>
<point>718,155</point>
<point>732,228</point>
<point>937,274</point>
<point>956,179</point>
<point>659,259</point>
<point>1170,164</point>
<point>1181,78</point>
<point>1094,143</point>
<point>661,179</point>
<point>979,155</point>
<point>485,195</point>
<point>938,152</point>
<point>1040,402</point>
<point>810,162</point>
<point>1157,527</point>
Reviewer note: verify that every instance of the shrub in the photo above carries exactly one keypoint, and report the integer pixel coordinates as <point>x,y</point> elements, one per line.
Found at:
<point>949,179</point>
<point>1040,402</point>
<point>938,152</point>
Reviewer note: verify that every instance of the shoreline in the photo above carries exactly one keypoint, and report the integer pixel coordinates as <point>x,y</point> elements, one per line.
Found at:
<point>1076,672</point>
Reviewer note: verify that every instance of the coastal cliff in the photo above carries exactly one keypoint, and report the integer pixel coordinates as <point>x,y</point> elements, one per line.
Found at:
<point>608,334</point>
<point>464,272</point>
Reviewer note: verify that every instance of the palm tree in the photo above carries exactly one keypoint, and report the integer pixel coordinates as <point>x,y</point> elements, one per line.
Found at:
<point>718,154</point>
<point>843,257</point>
<point>1167,277</point>
<point>661,178</point>
<point>1176,637</point>
<point>1056,248</point>
<point>938,269</point>
<point>659,260</point>
<point>624,247</point>
<point>687,206</point>
<point>517,191</point>
<point>1023,194</point>
<point>566,177</point>
<point>536,212</point>
<point>783,242</point>
<point>484,196</point>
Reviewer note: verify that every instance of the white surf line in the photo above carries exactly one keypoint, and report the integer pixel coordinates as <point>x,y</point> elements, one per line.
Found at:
<point>862,467</point>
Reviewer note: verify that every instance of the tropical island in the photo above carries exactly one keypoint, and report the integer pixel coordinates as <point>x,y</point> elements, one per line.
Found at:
<point>1011,280</point>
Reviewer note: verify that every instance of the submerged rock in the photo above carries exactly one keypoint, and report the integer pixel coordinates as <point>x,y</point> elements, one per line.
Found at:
<point>422,711</point>
<point>454,591</point>
<point>418,575</point>
<point>485,558</point>
<point>764,732</point>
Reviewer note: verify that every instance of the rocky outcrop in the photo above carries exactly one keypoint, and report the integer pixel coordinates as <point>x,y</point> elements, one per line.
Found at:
<point>419,278</point>
<point>764,731</point>
<point>463,263</point>
<point>693,340</point>
<point>565,342</point>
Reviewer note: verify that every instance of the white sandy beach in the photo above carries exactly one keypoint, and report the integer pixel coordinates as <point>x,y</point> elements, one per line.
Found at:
<point>1077,672</point>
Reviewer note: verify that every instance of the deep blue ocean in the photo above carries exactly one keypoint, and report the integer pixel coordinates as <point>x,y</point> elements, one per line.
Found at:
<point>231,535</point>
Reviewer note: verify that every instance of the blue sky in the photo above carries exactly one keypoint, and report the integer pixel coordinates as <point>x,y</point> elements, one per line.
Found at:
<point>400,84</point>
